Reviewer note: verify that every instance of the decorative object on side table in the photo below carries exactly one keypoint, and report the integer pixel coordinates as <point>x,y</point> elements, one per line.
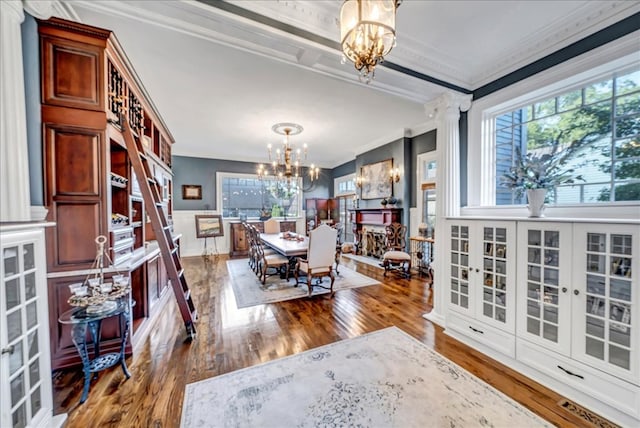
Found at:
<point>539,171</point>
<point>384,202</point>
<point>392,200</point>
<point>94,293</point>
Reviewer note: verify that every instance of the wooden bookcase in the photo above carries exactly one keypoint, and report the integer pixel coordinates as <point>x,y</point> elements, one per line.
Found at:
<point>90,190</point>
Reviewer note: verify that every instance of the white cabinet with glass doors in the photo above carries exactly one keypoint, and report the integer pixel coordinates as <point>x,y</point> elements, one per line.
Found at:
<point>481,259</point>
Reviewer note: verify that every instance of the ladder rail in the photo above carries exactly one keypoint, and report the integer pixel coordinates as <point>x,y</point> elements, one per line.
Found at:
<point>160,226</point>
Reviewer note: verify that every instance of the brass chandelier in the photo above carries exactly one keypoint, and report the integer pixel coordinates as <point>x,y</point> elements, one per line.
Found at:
<point>367,33</point>
<point>286,163</point>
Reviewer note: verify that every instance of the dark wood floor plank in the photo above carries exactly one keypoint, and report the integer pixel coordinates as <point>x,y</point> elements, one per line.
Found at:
<point>229,339</point>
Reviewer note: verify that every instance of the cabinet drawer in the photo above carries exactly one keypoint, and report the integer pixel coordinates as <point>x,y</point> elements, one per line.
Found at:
<point>608,389</point>
<point>482,333</point>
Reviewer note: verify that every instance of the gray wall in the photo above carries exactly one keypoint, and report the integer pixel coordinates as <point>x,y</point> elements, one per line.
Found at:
<point>202,171</point>
<point>31,64</point>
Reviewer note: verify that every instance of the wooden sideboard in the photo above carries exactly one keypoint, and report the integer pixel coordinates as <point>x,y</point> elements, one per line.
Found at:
<point>372,216</point>
<point>240,247</point>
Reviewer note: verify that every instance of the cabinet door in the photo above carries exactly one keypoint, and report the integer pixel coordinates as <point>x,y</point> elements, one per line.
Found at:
<point>606,298</point>
<point>544,284</point>
<point>25,390</point>
<point>459,265</point>
<point>495,283</point>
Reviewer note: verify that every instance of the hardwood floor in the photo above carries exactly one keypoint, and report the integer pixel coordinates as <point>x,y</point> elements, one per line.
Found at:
<point>230,339</point>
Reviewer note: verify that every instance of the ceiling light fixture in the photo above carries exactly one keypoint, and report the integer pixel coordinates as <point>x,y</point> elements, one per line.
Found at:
<point>367,33</point>
<point>286,164</point>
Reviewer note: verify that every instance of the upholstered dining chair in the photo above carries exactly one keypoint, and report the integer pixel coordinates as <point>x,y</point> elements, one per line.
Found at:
<point>277,263</point>
<point>395,257</point>
<point>320,258</point>
<point>272,226</point>
<point>339,227</point>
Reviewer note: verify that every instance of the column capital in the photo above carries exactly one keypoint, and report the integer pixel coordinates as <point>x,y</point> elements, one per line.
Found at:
<point>41,9</point>
<point>448,106</point>
<point>12,9</point>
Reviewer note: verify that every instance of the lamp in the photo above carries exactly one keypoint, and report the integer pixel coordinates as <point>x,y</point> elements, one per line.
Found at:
<point>395,174</point>
<point>286,163</point>
<point>359,181</point>
<point>367,33</point>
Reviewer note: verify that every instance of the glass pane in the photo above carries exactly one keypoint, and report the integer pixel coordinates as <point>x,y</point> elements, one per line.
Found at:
<point>627,148</point>
<point>628,104</point>
<point>454,285</point>
<point>34,373</point>
<point>620,312</point>
<point>534,255</point>
<point>464,288</point>
<point>595,348</point>
<point>534,237</point>
<point>620,289</point>
<point>551,239</point>
<point>488,280</point>
<point>488,234</point>
<point>595,284</point>
<point>454,298</point>
<point>595,263</point>
<point>454,271</point>
<point>10,257</point>
<point>454,231</point>
<point>620,334</point>
<point>596,242</point>
<point>454,258</point>
<point>628,83</point>
<point>551,295</point>
<point>570,100</point>
<point>34,347</point>
<point>627,192</point>
<point>501,314</point>
<point>533,308</point>
<point>501,282</point>
<point>32,315</point>
<point>595,327</point>
<point>501,267</point>
<point>14,325</point>
<point>488,265</point>
<point>487,310</point>
<point>30,285</point>
<point>501,251</point>
<point>464,246</point>
<point>487,294</point>
<point>550,332</point>
<point>544,108</point>
<point>12,292</point>
<point>464,260</point>
<point>595,306</point>
<point>501,234</point>
<point>598,91</point>
<point>501,298</point>
<point>29,257</point>
<point>36,401</point>
<point>627,126</point>
<point>534,273</point>
<point>533,290</point>
<point>533,326</point>
<point>551,257</point>
<point>619,357</point>
<point>17,389</point>
<point>621,244</point>
<point>15,358</point>
<point>454,245</point>
<point>621,266</point>
<point>464,232</point>
<point>464,301</point>
<point>19,417</point>
<point>551,276</point>
<point>551,314</point>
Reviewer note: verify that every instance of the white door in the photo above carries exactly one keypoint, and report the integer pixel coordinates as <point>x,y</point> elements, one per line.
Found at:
<point>606,297</point>
<point>25,369</point>
<point>544,284</point>
<point>459,253</point>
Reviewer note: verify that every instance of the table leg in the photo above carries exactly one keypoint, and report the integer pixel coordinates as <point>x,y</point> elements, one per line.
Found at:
<point>79,337</point>
<point>125,318</point>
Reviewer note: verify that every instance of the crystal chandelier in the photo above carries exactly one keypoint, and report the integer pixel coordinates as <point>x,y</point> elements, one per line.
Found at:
<point>367,33</point>
<point>286,163</point>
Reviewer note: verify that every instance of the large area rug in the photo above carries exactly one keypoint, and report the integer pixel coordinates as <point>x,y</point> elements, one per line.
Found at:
<point>249,291</point>
<point>381,379</point>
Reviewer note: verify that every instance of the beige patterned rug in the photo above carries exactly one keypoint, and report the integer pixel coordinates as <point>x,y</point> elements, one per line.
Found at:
<point>249,291</point>
<point>381,379</point>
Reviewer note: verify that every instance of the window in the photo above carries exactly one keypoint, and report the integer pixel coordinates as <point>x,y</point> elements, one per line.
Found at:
<point>603,117</point>
<point>345,185</point>
<point>427,175</point>
<point>247,195</point>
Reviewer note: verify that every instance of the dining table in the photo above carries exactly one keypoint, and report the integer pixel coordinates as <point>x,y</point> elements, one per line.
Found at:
<point>286,243</point>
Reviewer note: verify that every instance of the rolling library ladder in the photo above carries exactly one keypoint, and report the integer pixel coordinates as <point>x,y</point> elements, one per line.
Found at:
<point>161,228</point>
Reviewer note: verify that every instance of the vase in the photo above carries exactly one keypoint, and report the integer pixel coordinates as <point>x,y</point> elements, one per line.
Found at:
<point>536,198</point>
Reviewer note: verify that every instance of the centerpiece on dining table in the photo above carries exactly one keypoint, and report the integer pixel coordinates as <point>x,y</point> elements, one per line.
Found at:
<point>291,236</point>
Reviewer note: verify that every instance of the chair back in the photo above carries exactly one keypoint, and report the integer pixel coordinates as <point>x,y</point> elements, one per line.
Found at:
<point>322,247</point>
<point>272,226</point>
<point>339,227</point>
<point>395,237</point>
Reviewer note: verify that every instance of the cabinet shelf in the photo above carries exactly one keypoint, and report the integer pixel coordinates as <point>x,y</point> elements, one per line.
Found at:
<point>118,184</point>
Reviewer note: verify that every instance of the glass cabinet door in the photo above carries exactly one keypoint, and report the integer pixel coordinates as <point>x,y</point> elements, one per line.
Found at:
<point>460,267</point>
<point>607,298</point>
<point>544,306</point>
<point>26,392</point>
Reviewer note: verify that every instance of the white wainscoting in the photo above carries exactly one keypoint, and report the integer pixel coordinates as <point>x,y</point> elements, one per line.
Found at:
<point>184,222</point>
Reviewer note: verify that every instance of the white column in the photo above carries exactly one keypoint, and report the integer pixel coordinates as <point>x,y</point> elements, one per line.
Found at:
<point>446,111</point>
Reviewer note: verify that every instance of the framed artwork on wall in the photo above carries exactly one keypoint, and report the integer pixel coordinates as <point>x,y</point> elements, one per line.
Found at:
<point>191,191</point>
<point>376,180</point>
<point>208,226</point>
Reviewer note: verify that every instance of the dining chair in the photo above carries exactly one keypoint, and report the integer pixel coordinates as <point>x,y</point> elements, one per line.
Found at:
<point>339,227</point>
<point>277,263</point>
<point>396,258</point>
<point>272,226</point>
<point>320,258</point>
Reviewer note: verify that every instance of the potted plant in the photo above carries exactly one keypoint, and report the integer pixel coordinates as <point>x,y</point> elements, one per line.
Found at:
<point>538,171</point>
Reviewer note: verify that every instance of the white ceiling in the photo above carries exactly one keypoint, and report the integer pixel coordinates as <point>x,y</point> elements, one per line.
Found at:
<point>221,80</point>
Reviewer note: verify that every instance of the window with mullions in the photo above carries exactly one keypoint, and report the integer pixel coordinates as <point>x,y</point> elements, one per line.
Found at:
<point>247,195</point>
<point>602,118</point>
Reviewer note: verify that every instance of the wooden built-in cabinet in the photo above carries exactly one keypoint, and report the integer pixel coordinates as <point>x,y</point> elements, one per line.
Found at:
<point>240,247</point>
<point>88,87</point>
<point>320,210</point>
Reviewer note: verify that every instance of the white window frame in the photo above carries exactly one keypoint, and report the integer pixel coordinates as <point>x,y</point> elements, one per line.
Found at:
<point>481,177</point>
<point>343,179</point>
<point>221,175</point>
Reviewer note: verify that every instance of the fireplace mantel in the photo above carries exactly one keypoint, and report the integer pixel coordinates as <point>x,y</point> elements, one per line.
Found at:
<point>372,216</point>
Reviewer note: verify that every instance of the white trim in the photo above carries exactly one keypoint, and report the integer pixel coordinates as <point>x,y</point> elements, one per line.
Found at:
<point>343,179</point>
